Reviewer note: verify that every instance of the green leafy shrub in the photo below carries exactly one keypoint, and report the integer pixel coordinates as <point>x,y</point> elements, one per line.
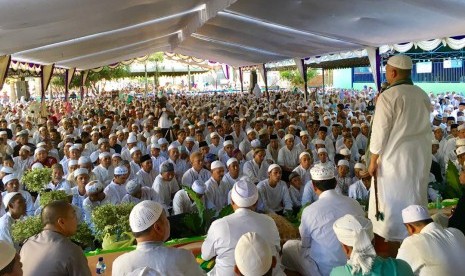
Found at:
<point>111,219</point>
<point>453,188</point>
<point>83,236</point>
<point>26,228</point>
<point>47,197</point>
<point>35,180</point>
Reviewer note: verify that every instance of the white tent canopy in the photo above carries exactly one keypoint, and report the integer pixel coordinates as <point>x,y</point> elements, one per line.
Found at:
<point>86,34</point>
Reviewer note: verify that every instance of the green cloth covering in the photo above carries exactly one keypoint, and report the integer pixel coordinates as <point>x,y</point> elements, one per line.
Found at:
<point>389,266</point>
<point>112,242</point>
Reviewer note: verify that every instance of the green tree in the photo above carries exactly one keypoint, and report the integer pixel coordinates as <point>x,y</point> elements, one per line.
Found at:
<point>156,58</point>
<point>294,77</point>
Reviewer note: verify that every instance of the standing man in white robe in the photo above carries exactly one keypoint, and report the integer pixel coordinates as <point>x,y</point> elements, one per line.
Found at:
<point>400,151</point>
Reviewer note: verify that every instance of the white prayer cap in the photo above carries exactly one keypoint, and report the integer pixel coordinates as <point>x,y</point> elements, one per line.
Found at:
<point>3,132</point>
<point>121,170</point>
<point>230,161</point>
<point>253,255</point>
<point>134,149</point>
<point>216,165</point>
<point>214,134</point>
<point>83,160</point>
<point>292,126</point>
<point>460,150</point>
<point>255,143</point>
<point>360,166</point>
<point>288,136</point>
<point>401,61</point>
<point>344,152</point>
<point>305,153</point>
<point>72,162</point>
<point>415,213</point>
<point>78,145</point>
<point>343,162</point>
<point>227,143</point>
<point>460,119</point>
<point>250,130</point>
<point>94,156</point>
<point>172,146</point>
<point>125,130</point>
<point>357,232</point>
<point>321,173</point>
<point>104,154</point>
<point>26,148</point>
<point>111,135</point>
<point>304,133</point>
<point>102,140</point>
<point>116,155</point>
<point>6,169</point>
<point>166,167</point>
<point>244,193</point>
<point>132,139</point>
<point>162,141</point>
<point>94,132</point>
<point>7,254</point>
<point>37,165</point>
<point>199,187</point>
<point>190,139</point>
<point>272,167</point>
<point>435,142</point>
<point>94,187</point>
<point>8,178</point>
<point>318,142</point>
<point>461,127</point>
<point>39,149</point>
<point>191,126</point>
<point>144,215</point>
<point>80,171</point>
<point>7,198</point>
<point>133,186</point>
<point>460,142</point>
<point>355,125</point>
<point>320,150</point>
<point>155,146</point>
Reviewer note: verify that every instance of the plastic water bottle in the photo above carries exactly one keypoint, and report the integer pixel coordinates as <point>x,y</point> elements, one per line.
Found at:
<point>100,267</point>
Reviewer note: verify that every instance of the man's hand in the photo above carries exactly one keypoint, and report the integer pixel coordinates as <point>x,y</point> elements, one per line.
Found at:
<point>373,168</point>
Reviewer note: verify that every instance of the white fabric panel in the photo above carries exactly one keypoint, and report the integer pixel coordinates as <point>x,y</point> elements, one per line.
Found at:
<point>371,51</point>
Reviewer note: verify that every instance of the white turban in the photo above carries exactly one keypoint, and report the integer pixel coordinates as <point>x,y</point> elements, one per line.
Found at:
<point>357,232</point>
<point>244,193</point>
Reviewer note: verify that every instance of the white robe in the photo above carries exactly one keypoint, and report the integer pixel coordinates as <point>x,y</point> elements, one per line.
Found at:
<point>401,135</point>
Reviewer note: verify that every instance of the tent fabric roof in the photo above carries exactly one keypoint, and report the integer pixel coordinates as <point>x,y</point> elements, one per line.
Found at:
<point>87,33</point>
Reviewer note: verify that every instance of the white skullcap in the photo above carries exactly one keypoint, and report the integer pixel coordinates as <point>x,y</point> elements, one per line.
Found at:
<point>133,186</point>
<point>272,167</point>
<point>304,133</point>
<point>356,125</point>
<point>80,171</point>
<point>37,165</point>
<point>26,148</point>
<point>343,162</point>
<point>7,254</point>
<point>435,142</point>
<point>104,154</point>
<point>121,170</point>
<point>72,162</point>
<point>357,232</point>
<point>155,146</point>
<point>134,149</point>
<point>460,150</point>
<point>102,140</point>
<point>6,169</point>
<point>79,146</point>
<point>116,155</point>
<point>74,147</point>
<point>144,215</point>
<point>360,166</point>
<point>414,213</point>
<point>190,139</point>
<point>230,161</point>
<point>94,187</point>
<point>320,150</point>
<point>292,126</point>
<point>321,173</point>
<point>94,156</point>
<point>250,130</point>
<point>401,61</point>
<point>39,149</point>
<point>172,146</point>
<point>255,143</point>
<point>288,136</point>
<point>461,127</point>
<point>253,255</point>
<point>125,130</point>
<point>8,178</point>
<point>84,160</point>
<point>216,165</point>
<point>318,142</point>
<point>244,193</point>
<point>460,142</point>
<point>344,151</point>
<point>132,139</point>
<point>305,153</point>
<point>162,141</point>
<point>7,198</point>
<point>111,135</point>
<point>199,187</point>
<point>214,134</point>
<point>227,143</point>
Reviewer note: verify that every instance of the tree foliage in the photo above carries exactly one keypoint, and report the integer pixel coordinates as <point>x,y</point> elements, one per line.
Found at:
<point>105,74</point>
<point>294,77</point>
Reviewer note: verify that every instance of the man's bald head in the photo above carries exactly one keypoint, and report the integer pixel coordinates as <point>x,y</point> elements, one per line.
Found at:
<point>54,211</point>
